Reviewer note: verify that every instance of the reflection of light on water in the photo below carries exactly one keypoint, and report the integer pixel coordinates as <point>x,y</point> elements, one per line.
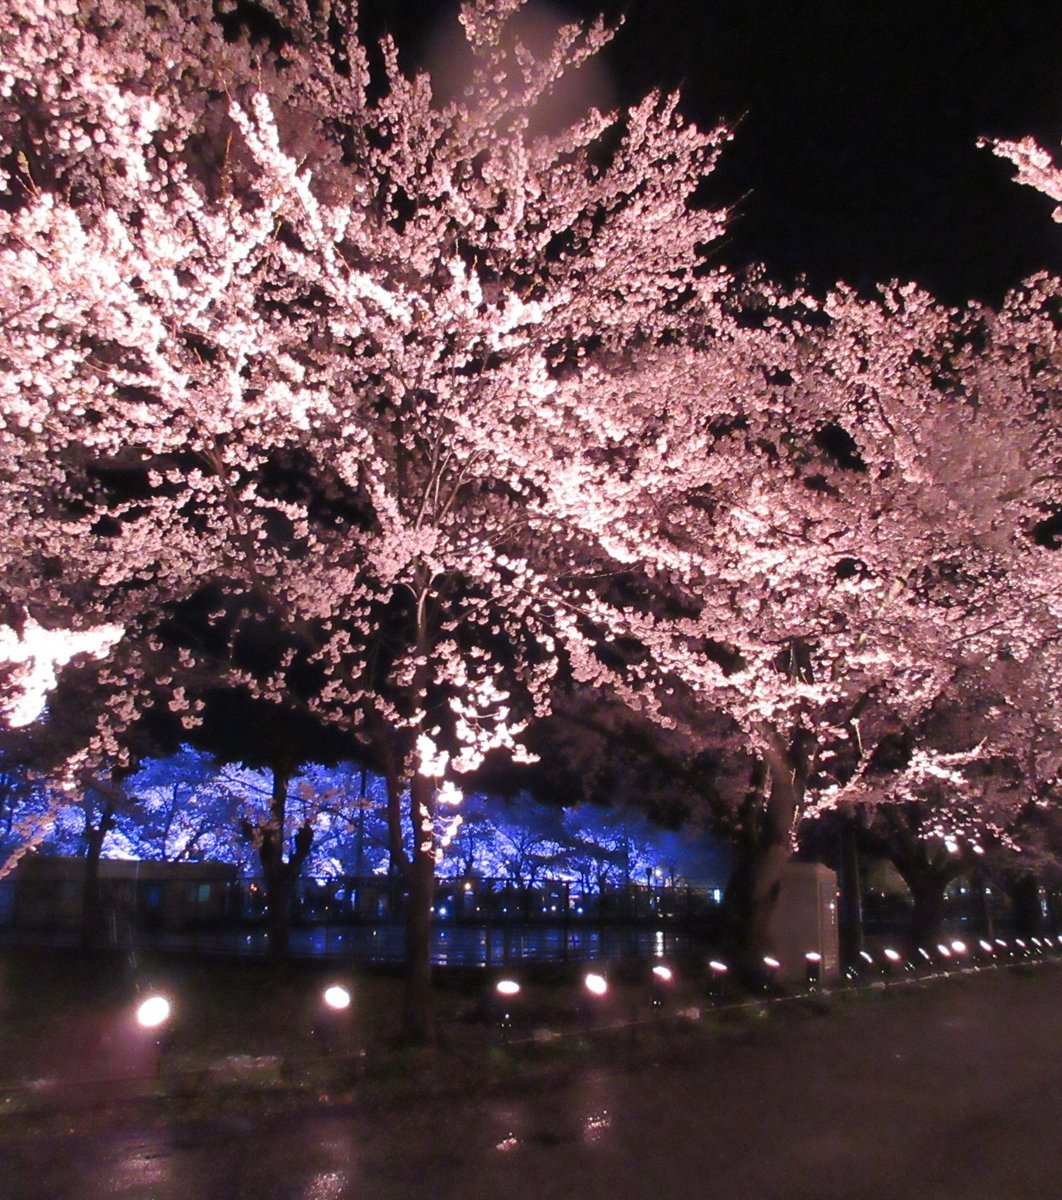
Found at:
<point>595,1125</point>
<point>328,1185</point>
<point>658,944</point>
<point>507,1143</point>
<point>146,1171</point>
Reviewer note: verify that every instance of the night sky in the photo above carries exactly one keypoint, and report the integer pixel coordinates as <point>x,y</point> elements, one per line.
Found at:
<point>856,154</point>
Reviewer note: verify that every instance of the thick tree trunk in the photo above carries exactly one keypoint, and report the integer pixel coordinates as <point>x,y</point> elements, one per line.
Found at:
<point>92,930</point>
<point>278,895</point>
<point>418,1012</point>
<point>756,883</point>
<point>925,866</point>
<point>279,874</point>
<point>1027,906</point>
<point>749,905</point>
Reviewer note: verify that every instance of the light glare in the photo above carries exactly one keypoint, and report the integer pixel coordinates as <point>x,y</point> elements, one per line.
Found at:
<point>337,997</point>
<point>153,1012</point>
<point>597,984</point>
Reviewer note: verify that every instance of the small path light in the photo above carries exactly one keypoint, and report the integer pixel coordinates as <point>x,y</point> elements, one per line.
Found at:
<point>153,1012</point>
<point>771,969</point>
<point>506,992</point>
<point>152,1015</point>
<point>332,1020</point>
<point>717,973</point>
<point>596,985</point>
<point>595,989</point>
<point>336,997</point>
<point>813,968</point>
<point>958,947</point>
<point>893,959</point>
<point>659,984</point>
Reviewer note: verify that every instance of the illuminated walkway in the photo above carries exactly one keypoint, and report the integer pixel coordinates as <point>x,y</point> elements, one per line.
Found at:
<point>951,1093</point>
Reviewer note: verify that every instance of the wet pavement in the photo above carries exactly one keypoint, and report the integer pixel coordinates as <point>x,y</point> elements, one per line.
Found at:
<point>955,1093</point>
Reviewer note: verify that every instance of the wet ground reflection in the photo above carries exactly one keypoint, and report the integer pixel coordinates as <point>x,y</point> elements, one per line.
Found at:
<point>951,1093</point>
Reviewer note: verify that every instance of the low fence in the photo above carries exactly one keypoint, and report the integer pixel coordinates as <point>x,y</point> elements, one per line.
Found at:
<point>475,921</point>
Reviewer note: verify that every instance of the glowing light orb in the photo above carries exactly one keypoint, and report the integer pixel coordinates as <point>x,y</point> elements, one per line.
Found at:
<point>507,987</point>
<point>153,1012</point>
<point>597,985</point>
<point>664,974</point>
<point>773,963</point>
<point>337,997</point>
<point>959,947</point>
<point>813,956</point>
<point>718,967</point>
<point>892,955</point>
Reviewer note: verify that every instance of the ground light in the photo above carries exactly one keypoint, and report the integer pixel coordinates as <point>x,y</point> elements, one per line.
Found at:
<point>153,1012</point>
<point>331,1027</point>
<point>717,973</point>
<point>336,997</point>
<point>813,968</point>
<point>152,1015</point>
<point>506,992</point>
<point>659,984</point>
<point>771,969</point>
<point>596,985</point>
<point>893,958</point>
<point>595,989</point>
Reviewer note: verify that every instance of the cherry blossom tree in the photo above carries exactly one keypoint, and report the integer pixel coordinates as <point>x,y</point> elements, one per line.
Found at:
<point>304,339</point>
<point>1036,167</point>
<point>426,408</point>
<point>857,539</point>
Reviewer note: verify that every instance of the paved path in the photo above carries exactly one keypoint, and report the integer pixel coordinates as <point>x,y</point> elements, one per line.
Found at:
<point>953,1094</point>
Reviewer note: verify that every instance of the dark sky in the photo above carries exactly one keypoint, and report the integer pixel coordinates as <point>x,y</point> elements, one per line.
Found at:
<point>856,155</point>
<point>859,131</point>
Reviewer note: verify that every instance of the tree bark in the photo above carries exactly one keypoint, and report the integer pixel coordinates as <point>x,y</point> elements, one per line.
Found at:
<point>764,850</point>
<point>1027,906</point>
<point>91,898</point>
<point>279,874</point>
<point>418,1013</point>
